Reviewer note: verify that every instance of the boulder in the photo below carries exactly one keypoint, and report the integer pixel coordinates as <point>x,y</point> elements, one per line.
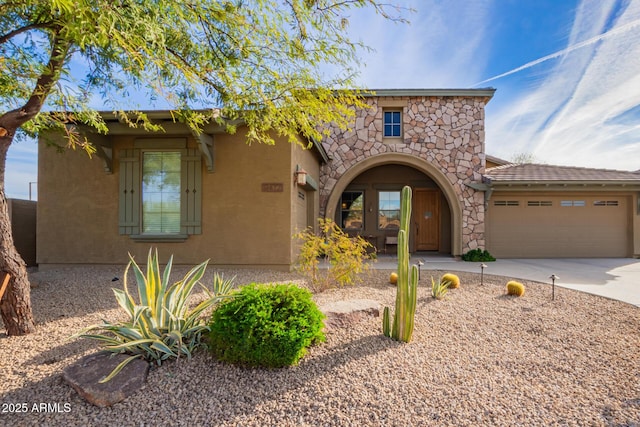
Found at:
<point>341,314</point>
<point>84,375</point>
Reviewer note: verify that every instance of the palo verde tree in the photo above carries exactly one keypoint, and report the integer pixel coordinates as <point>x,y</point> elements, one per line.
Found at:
<point>279,66</point>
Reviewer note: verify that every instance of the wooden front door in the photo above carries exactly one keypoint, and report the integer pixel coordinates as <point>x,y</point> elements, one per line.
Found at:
<point>426,219</point>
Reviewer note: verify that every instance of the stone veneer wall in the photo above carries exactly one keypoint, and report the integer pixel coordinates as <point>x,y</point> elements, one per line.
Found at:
<point>447,132</point>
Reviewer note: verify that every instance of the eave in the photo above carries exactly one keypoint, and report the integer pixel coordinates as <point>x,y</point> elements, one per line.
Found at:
<point>165,118</point>
<point>481,93</point>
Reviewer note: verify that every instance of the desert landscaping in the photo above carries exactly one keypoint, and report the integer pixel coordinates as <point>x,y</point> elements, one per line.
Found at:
<point>478,357</point>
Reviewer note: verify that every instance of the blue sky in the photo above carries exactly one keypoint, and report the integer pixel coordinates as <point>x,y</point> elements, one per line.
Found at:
<point>567,74</point>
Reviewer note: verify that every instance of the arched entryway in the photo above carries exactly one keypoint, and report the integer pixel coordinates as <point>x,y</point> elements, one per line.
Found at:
<point>372,186</point>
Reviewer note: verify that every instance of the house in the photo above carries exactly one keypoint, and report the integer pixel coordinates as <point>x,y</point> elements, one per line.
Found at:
<point>211,196</point>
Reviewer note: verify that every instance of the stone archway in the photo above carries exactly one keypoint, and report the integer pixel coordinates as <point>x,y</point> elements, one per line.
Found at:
<point>417,163</point>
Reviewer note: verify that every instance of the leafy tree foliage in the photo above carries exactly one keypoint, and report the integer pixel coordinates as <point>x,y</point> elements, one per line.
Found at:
<point>277,65</point>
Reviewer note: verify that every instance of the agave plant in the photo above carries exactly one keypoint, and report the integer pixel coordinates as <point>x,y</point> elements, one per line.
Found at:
<point>160,326</point>
<point>439,288</point>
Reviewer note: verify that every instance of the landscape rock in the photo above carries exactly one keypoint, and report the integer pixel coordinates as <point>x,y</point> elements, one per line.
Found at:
<point>341,314</point>
<point>84,375</point>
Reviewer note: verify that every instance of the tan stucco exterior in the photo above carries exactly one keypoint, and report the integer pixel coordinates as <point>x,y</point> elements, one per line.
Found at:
<point>242,224</point>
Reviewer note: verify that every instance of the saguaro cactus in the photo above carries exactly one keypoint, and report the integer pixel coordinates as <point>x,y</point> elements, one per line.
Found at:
<point>407,280</point>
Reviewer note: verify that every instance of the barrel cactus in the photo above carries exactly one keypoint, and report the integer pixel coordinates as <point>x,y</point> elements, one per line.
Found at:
<point>393,278</point>
<point>515,288</point>
<point>454,281</point>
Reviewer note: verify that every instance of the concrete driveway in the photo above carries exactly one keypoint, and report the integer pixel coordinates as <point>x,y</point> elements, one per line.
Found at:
<point>615,278</point>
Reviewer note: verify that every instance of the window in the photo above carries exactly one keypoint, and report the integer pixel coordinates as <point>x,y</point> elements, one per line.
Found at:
<point>569,203</point>
<point>539,203</point>
<point>160,191</point>
<point>506,203</point>
<point>351,210</point>
<point>605,203</point>
<point>392,124</point>
<point>389,209</point>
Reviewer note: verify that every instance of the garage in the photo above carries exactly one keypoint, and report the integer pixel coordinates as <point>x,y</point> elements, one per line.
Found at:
<point>543,211</point>
<point>550,226</point>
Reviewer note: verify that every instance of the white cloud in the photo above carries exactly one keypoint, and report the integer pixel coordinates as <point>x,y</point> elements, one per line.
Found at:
<point>442,47</point>
<point>572,116</point>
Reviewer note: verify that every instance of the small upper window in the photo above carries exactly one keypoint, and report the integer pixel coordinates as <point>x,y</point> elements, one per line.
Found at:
<point>605,203</point>
<point>506,203</point>
<point>569,203</point>
<point>392,124</point>
<point>539,203</point>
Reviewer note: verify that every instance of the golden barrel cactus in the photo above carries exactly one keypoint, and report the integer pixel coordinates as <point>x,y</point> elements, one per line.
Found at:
<point>393,278</point>
<point>454,281</point>
<point>515,288</point>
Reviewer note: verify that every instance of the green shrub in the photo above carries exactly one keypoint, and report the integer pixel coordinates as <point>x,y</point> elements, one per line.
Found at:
<point>345,256</point>
<point>515,288</point>
<point>160,325</point>
<point>439,288</point>
<point>478,255</point>
<point>265,325</point>
<point>454,281</point>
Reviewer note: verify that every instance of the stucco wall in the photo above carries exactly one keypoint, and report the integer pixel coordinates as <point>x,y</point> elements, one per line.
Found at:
<point>22,214</point>
<point>635,221</point>
<point>304,212</point>
<point>241,224</point>
<point>445,132</point>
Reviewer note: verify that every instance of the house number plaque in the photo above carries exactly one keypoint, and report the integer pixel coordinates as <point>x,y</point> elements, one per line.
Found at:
<point>272,187</point>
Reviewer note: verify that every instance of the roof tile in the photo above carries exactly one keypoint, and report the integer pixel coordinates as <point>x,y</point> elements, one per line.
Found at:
<point>536,172</point>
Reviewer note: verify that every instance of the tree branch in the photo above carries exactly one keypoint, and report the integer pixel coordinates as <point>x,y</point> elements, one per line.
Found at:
<point>13,119</point>
<point>6,37</point>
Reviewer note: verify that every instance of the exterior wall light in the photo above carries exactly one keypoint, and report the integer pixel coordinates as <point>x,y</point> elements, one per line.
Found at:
<point>301,177</point>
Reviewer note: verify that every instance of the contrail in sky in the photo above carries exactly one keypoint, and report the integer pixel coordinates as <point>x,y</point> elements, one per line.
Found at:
<point>562,52</point>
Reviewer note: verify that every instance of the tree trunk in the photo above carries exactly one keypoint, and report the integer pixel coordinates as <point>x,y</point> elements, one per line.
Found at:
<point>15,305</point>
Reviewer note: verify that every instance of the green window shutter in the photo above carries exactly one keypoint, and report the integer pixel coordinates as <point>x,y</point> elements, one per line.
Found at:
<point>129,200</point>
<point>191,201</point>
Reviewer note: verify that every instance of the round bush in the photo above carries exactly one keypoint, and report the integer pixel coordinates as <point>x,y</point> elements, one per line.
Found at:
<point>265,325</point>
<point>454,281</point>
<point>515,288</point>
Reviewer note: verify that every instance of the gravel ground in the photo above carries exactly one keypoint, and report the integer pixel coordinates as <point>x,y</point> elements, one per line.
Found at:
<point>478,357</point>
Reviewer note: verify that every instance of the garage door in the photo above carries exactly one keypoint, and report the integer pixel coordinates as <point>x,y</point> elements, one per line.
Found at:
<point>558,226</point>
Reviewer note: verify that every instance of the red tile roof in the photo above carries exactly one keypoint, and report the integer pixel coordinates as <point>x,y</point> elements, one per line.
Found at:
<point>545,173</point>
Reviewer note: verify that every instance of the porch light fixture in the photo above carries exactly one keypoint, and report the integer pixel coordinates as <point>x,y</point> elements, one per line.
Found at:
<point>301,176</point>
<point>482,267</point>
<point>553,278</point>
